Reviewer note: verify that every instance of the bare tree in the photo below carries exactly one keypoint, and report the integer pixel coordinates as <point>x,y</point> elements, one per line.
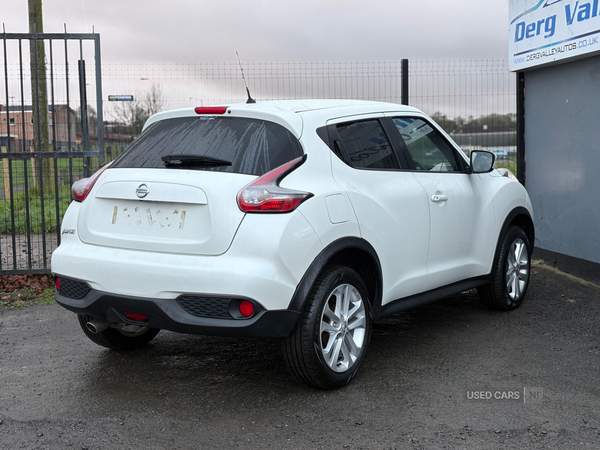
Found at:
<point>155,100</point>
<point>133,115</point>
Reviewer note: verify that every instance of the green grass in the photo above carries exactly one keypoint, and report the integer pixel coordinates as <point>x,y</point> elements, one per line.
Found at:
<point>34,203</point>
<point>62,165</point>
<point>27,297</point>
<point>507,164</point>
<point>17,291</point>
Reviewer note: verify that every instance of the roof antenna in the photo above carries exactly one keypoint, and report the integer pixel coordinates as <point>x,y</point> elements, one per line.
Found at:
<point>250,99</point>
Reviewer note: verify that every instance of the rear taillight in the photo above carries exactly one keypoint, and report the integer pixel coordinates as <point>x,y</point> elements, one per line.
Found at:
<point>264,195</point>
<point>81,188</point>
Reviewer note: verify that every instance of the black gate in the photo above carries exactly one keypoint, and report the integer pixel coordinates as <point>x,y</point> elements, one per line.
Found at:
<point>50,136</point>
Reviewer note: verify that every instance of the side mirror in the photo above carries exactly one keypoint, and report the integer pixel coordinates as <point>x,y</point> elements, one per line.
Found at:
<point>482,161</point>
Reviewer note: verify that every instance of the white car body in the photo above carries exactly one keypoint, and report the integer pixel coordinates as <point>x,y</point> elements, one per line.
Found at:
<point>428,233</point>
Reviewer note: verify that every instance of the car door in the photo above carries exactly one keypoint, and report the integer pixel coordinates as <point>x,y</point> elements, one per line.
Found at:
<point>389,203</point>
<point>460,209</point>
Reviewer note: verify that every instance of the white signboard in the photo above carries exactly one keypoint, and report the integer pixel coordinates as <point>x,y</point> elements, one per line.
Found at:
<point>547,31</point>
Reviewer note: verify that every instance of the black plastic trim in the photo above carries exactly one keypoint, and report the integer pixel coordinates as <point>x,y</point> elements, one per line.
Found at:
<point>69,285</point>
<point>323,259</point>
<point>406,163</point>
<point>423,298</point>
<point>323,134</point>
<point>509,218</point>
<point>471,170</point>
<point>167,314</point>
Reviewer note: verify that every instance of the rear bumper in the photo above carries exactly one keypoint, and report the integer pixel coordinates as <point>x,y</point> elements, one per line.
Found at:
<point>167,314</point>
<point>265,262</point>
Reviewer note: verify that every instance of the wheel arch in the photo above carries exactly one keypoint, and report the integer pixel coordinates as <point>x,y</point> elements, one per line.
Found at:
<point>519,217</point>
<point>352,252</point>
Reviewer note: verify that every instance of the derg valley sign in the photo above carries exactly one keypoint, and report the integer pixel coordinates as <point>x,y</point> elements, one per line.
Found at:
<point>547,31</point>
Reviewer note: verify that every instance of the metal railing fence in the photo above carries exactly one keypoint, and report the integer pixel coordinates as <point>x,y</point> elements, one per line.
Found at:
<point>474,100</point>
<point>45,139</point>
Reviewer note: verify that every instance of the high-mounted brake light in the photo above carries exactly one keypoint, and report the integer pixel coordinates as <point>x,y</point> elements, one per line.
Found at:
<point>264,195</point>
<point>81,188</point>
<point>211,109</point>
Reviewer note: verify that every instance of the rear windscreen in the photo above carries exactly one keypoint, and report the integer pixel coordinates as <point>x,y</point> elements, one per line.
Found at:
<point>252,146</point>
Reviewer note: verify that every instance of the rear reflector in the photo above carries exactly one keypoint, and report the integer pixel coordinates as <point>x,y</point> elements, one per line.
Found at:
<point>264,195</point>
<point>81,188</point>
<point>211,109</point>
<point>57,281</point>
<point>136,317</point>
<point>246,308</point>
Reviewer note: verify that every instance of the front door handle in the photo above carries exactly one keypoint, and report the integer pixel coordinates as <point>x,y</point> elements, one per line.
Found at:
<point>436,198</point>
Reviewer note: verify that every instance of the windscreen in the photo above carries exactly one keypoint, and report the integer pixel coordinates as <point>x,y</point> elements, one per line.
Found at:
<point>251,146</point>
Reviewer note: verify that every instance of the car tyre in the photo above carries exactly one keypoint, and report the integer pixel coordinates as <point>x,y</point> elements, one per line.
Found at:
<point>119,339</point>
<point>328,345</point>
<point>511,274</point>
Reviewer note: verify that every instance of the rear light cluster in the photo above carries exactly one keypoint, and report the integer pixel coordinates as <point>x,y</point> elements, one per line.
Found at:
<point>81,188</point>
<point>264,195</point>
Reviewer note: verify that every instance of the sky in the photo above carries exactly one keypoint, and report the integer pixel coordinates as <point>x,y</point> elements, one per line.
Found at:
<point>289,49</point>
<point>278,30</point>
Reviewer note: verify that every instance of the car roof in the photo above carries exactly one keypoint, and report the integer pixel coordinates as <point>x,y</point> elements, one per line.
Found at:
<point>291,113</point>
<point>312,105</point>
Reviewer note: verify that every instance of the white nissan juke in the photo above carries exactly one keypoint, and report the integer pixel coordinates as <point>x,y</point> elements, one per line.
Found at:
<point>305,220</point>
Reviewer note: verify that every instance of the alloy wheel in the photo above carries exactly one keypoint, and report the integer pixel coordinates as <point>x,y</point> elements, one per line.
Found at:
<point>343,328</point>
<point>517,269</point>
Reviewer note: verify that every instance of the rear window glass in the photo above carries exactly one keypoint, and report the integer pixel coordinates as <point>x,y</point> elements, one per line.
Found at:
<point>252,146</point>
<point>366,145</point>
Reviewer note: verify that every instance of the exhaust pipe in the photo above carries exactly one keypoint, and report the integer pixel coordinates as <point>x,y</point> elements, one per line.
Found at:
<point>95,326</point>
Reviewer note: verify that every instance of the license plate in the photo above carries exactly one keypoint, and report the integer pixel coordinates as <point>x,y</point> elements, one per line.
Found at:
<point>148,217</point>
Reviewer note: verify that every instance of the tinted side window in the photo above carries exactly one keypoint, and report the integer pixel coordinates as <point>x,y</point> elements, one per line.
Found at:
<point>252,146</point>
<point>427,147</point>
<point>366,145</point>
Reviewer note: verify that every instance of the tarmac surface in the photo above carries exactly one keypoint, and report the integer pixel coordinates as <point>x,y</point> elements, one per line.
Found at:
<point>450,375</point>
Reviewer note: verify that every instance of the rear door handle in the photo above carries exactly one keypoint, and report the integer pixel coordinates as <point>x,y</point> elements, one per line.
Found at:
<point>436,198</point>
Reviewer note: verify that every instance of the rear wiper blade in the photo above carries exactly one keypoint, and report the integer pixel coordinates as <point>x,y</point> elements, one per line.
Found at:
<point>193,160</point>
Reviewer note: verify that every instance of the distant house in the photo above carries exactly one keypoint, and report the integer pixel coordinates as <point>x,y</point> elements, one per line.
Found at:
<point>17,124</point>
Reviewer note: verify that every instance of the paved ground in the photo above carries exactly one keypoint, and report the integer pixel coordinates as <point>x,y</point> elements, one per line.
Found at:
<point>59,391</point>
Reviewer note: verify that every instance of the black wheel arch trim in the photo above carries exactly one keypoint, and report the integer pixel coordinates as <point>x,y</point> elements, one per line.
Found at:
<point>530,232</point>
<point>326,257</point>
